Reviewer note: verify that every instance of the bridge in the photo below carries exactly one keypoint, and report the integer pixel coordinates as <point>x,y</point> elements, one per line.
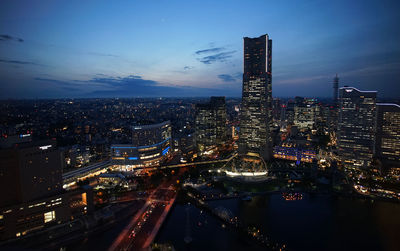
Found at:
<point>234,223</point>
<point>71,177</point>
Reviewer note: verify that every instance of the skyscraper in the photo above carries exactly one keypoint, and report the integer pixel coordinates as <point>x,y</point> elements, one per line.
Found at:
<point>335,89</point>
<point>218,103</point>
<point>356,128</point>
<point>388,133</point>
<point>210,124</point>
<point>30,171</point>
<point>31,193</point>
<point>256,109</point>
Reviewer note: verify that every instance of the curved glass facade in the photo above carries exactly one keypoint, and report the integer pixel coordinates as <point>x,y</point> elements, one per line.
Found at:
<point>151,145</point>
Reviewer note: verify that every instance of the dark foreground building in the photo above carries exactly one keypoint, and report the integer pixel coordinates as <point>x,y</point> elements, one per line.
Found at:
<point>31,193</point>
<point>256,109</point>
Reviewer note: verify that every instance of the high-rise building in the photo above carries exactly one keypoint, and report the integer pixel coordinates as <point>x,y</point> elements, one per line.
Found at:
<point>31,193</point>
<point>388,133</point>
<point>276,109</point>
<point>220,118</point>
<point>305,113</point>
<point>30,171</point>
<point>356,126</point>
<point>210,124</point>
<point>289,112</point>
<point>256,108</point>
<point>335,89</point>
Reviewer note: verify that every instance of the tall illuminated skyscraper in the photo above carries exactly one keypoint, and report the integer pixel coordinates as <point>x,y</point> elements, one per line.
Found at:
<point>256,108</point>
<point>210,124</point>
<point>356,129</point>
<point>388,133</point>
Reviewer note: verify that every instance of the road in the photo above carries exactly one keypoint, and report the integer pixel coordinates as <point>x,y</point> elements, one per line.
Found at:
<point>145,224</point>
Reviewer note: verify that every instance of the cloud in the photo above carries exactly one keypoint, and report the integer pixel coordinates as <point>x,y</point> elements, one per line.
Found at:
<point>5,37</point>
<point>18,62</point>
<point>102,54</point>
<point>216,54</point>
<point>186,68</point>
<point>66,85</point>
<point>303,80</point>
<point>61,82</point>
<point>136,86</point>
<point>226,78</point>
<point>219,57</point>
<point>211,50</point>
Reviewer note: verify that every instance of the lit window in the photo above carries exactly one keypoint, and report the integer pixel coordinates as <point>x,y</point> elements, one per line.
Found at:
<point>49,216</point>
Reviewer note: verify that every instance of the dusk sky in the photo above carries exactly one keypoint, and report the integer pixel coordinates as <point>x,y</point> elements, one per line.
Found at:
<point>153,48</point>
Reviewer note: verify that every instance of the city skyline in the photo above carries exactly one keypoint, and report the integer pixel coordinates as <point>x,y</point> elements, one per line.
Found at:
<point>210,125</point>
<point>174,49</point>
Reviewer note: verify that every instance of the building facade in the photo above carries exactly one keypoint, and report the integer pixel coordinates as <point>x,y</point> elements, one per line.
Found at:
<point>356,126</point>
<point>256,108</point>
<point>305,115</point>
<point>30,171</point>
<point>210,124</point>
<point>31,193</point>
<point>151,145</point>
<point>388,133</point>
<point>335,89</point>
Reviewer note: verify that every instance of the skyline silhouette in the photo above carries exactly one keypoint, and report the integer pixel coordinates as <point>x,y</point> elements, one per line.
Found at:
<point>152,49</point>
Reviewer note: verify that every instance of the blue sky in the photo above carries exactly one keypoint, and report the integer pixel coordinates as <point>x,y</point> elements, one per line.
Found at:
<point>51,49</point>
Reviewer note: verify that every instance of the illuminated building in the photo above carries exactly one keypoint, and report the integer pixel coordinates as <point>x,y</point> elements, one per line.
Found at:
<point>289,152</point>
<point>276,109</point>
<point>31,194</point>
<point>220,119</point>
<point>151,145</point>
<point>256,108</point>
<point>246,167</point>
<point>356,126</point>
<point>205,127</point>
<point>289,113</point>
<point>36,166</point>
<point>388,133</point>
<point>305,115</point>
<point>210,124</point>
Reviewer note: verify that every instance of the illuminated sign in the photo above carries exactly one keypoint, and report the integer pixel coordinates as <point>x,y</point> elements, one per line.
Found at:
<point>24,135</point>
<point>165,151</point>
<point>45,147</point>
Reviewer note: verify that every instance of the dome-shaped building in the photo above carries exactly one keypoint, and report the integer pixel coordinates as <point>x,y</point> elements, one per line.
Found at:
<point>247,167</point>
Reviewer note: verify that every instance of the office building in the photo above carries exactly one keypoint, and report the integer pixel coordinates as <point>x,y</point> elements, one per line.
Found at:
<point>256,109</point>
<point>151,145</point>
<point>289,112</point>
<point>356,126</point>
<point>388,133</point>
<point>220,118</point>
<point>31,194</point>
<point>210,124</point>
<point>335,89</point>
<point>305,115</point>
<point>29,171</point>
